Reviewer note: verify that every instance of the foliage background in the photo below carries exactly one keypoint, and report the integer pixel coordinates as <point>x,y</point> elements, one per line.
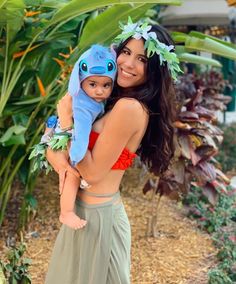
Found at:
<point>39,42</point>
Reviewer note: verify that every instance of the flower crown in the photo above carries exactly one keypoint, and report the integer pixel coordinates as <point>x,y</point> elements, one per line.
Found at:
<point>152,44</point>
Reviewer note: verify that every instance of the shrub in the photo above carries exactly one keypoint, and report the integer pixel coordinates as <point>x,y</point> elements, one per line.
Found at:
<point>16,268</point>
<point>227,150</point>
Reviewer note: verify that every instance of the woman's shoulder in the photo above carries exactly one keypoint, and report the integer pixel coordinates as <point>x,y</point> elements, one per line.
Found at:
<point>130,106</point>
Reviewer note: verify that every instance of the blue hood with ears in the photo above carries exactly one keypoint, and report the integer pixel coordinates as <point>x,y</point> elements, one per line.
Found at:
<point>96,61</point>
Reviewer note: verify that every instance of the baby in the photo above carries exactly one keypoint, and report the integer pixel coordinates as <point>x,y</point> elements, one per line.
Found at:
<point>90,84</point>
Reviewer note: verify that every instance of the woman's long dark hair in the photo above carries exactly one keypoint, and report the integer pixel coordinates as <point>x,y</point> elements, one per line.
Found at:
<point>158,97</point>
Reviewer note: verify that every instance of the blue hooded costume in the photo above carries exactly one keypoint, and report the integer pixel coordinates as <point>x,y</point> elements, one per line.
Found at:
<point>96,61</point>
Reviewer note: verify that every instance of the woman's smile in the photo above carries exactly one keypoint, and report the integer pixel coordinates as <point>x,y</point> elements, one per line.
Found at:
<point>132,64</point>
<point>125,73</point>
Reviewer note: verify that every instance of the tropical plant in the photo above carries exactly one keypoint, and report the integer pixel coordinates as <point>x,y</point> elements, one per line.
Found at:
<point>196,41</point>
<point>16,268</point>
<point>25,66</point>
<point>40,40</point>
<point>227,150</point>
<point>219,221</point>
<point>197,136</point>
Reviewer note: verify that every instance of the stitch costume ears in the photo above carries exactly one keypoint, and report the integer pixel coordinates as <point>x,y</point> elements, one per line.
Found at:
<point>74,83</point>
<point>113,49</point>
<point>96,61</point>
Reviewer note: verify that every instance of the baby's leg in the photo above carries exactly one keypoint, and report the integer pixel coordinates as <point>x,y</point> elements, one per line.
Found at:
<point>67,202</point>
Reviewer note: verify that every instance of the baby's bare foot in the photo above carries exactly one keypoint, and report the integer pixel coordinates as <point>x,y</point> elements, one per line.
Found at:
<point>72,220</point>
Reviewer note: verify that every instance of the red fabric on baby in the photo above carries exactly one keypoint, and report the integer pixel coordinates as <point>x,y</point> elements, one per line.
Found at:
<point>124,161</point>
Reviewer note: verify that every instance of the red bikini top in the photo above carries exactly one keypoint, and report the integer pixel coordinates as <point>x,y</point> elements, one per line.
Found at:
<point>124,161</point>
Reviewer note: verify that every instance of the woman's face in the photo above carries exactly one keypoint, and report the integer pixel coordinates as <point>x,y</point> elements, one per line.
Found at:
<point>132,64</point>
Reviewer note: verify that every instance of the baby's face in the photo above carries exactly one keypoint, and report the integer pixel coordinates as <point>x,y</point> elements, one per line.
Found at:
<point>98,88</point>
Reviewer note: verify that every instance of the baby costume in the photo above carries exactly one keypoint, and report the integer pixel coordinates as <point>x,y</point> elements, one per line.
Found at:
<point>96,61</point>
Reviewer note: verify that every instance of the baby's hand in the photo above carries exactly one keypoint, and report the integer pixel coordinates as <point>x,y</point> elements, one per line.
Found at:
<point>64,110</point>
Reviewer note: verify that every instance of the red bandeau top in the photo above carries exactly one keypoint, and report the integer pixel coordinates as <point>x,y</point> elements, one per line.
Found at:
<point>124,161</point>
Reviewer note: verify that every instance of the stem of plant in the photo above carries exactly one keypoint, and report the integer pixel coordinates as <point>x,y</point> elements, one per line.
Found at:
<point>5,194</point>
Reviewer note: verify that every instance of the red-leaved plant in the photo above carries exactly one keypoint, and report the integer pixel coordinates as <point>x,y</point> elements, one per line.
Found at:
<point>199,97</point>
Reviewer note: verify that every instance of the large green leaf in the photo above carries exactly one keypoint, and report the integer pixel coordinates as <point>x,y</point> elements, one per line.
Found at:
<point>45,3</point>
<point>78,7</point>
<point>27,101</point>
<point>15,140</point>
<point>196,41</point>
<point>197,59</point>
<point>73,24</point>
<point>210,45</point>
<point>204,36</point>
<point>178,37</point>
<point>106,33</point>
<point>48,63</point>
<point>2,3</point>
<point>13,135</point>
<point>12,15</point>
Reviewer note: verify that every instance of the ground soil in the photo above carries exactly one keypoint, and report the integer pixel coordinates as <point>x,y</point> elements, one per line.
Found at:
<point>179,254</point>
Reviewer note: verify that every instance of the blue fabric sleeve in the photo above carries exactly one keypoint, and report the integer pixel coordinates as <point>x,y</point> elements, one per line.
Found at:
<point>85,111</point>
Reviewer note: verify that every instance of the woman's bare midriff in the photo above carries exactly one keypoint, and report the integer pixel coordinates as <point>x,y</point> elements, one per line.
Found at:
<point>111,183</point>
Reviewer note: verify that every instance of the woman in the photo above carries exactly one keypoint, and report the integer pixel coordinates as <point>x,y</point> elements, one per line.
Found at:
<point>138,118</point>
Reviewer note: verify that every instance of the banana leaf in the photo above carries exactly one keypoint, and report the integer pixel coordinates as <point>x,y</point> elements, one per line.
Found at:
<point>204,36</point>
<point>78,7</point>
<point>12,16</point>
<point>187,57</point>
<point>178,37</point>
<point>197,59</point>
<point>46,4</point>
<point>14,135</point>
<point>210,45</point>
<point>196,41</point>
<point>106,33</point>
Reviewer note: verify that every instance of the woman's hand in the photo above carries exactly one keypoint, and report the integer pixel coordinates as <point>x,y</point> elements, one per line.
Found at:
<point>64,110</point>
<point>59,160</point>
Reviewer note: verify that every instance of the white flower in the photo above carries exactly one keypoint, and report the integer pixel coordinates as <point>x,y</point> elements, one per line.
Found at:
<point>152,35</point>
<point>129,28</point>
<point>169,47</point>
<point>137,35</point>
<point>144,31</point>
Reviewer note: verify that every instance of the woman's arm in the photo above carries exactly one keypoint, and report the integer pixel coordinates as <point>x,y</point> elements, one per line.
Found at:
<point>59,160</point>
<point>125,120</point>
<point>64,110</point>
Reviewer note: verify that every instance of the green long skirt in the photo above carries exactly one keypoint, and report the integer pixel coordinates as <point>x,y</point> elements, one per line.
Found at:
<point>97,254</point>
